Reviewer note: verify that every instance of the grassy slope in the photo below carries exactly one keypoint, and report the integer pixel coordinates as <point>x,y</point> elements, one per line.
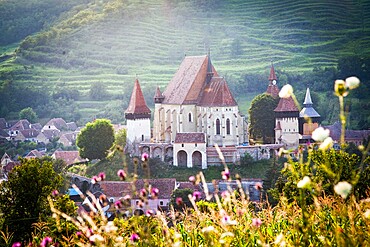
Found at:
<point>148,39</point>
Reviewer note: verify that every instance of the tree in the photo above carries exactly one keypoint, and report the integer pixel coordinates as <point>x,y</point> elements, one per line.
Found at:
<point>262,117</point>
<point>29,114</point>
<point>23,198</point>
<point>98,91</point>
<point>120,138</point>
<point>95,139</point>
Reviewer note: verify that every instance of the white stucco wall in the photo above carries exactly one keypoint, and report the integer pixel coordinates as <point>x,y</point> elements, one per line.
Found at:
<point>136,128</point>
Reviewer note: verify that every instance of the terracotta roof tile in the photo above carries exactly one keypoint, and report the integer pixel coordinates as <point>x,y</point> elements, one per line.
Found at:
<point>21,125</point>
<point>70,157</point>
<point>217,93</point>
<point>272,74</point>
<point>286,105</point>
<point>190,137</point>
<point>137,103</point>
<point>59,123</point>
<point>30,133</point>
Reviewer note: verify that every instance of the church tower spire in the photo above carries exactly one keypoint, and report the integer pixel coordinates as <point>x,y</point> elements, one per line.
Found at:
<point>309,119</point>
<point>272,88</point>
<point>209,68</point>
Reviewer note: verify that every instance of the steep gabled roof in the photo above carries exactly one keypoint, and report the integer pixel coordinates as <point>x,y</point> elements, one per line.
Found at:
<point>188,82</point>
<point>190,137</point>
<point>308,110</point>
<point>272,74</point>
<point>286,105</point>
<point>59,123</point>
<point>21,125</point>
<point>217,93</point>
<point>137,103</point>
<point>70,157</point>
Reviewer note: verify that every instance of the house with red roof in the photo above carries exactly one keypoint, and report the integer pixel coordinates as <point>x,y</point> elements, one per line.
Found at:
<point>69,157</point>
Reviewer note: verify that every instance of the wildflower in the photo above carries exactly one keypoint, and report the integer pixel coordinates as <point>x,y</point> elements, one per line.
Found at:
<point>225,174</point>
<point>144,157</point>
<point>258,186</point>
<point>46,241</point>
<point>225,235</point>
<point>226,220</point>
<point>122,174</point>
<point>94,179</point>
<point>79,234</point>
<point>149,213</point>
<point>304,183</point>
<point>179,201</point>
<point>343,189</point>
<point>225,194</point>
<point>256,222</point>
<point>119,239</point>
<point>110,227</point>
<point>101,176</point>
<point>134,237</point>
<point>17,244</point>
<point>340,88</point>
<point>279,240</point>
<point>192,179</point>
<point>127,197</point>
<point>155,192</point>
<point>96,238</point>
<point>118,204</point>
<point>352,82</point>
<point>367,214</point>
<point>55,193</point>
<point>143,192</point>
<point>328,143</point>
<point>320,134</point>
<point>196,195</point>
<point>286,91</point>
<point>208,229</point>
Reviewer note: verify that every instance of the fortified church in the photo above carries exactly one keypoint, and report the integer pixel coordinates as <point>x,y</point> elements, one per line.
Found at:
<point>197,112</point>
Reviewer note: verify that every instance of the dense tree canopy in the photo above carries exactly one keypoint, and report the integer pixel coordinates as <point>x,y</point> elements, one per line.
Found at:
<point>96,139</point>
<point>262,117</point>
<point>23,198</point>
<point>29,114</point>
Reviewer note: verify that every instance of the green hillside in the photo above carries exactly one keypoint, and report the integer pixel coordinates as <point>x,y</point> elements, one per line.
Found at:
<point>111,42</point>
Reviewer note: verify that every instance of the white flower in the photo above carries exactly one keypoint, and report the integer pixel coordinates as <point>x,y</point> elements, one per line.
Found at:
<point>110,227</point>
<point>352,82</point>
<point>328,143</point>
<point>96,238</point>
<point>343,189</point>
<point>279,240</point>
<point>208,229</point>
<point>286,91</point>
<point>304,183</point>
<point>320,134</point>
<point>367,213</point>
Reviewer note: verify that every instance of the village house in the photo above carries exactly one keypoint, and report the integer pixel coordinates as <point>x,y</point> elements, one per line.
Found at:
<point>69,157</point>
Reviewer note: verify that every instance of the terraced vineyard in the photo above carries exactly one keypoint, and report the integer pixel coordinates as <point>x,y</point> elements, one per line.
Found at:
<point>148,39</point>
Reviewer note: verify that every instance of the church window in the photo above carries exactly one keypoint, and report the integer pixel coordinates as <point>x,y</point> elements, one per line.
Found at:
<point>218,127</point>
<point>196,144</point>
<point>190,117</point>
<point>227,126</point>
<point>142,138</point>
<point>182,145</point>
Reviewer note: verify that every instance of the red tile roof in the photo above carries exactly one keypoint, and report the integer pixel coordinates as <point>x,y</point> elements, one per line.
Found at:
<point>70,157</point>
<point>137,103</point>
<point>217,93</point>
<point>190,137</point>
<point>30,133</point>
<point>286,105</point>
<point>273,90</point>
<point>272,74</point>
<point>120,189</point>
<point>21,125</point>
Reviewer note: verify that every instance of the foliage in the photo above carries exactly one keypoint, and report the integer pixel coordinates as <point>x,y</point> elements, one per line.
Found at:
<point>95,139</point>
<point>29,114</point>
<point>262,118</point>
<point>23,198</point>
<point>120,138</point>
<point>183,194</point>
<point>98,91</point>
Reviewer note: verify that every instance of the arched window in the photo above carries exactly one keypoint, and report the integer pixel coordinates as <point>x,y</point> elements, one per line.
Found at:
<point>190,118</point>
<point>218,127</point>
<point>227,126</point>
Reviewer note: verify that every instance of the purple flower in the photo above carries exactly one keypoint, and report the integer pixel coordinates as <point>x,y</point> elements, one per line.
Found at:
<point>17,244</point>
<point>55,193</point>
<point>257,222</point>
<point>122,174</point>
<point>118,204</point>
<point>134,237</point>
<point>144,157</point>
<point>79,234</point>
<point>179,201</point>
<point>197,195</point>
<point>225,174</point>
<point>46,241</point>
<point>102,176</point>
<point>155,192</point>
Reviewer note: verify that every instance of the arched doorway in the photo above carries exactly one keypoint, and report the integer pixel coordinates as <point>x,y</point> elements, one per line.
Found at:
<point>182,158</point>
<point>197,159</point>
<point>157,152</point>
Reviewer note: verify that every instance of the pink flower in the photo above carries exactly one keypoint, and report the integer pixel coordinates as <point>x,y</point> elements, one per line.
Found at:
<point>149,213</point>
<point>192,179</point>
<point>257,222</point>
<point>179,201</point>
<point>79,234</point>
<point>122,174</point>
<point>258,186</point>
<point>118,204</point>
<point>94,179</point>
<point>134,237</point>
<point>102,176</point>
<point>46,241</point>
<point>144,157</point>
<point>197,195</point>
<point>225,174</point>
<point>17,244</point>
<point>143,192</point>
<point>127,197</point>
<point>55,193</point>
<point>155,192</point>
